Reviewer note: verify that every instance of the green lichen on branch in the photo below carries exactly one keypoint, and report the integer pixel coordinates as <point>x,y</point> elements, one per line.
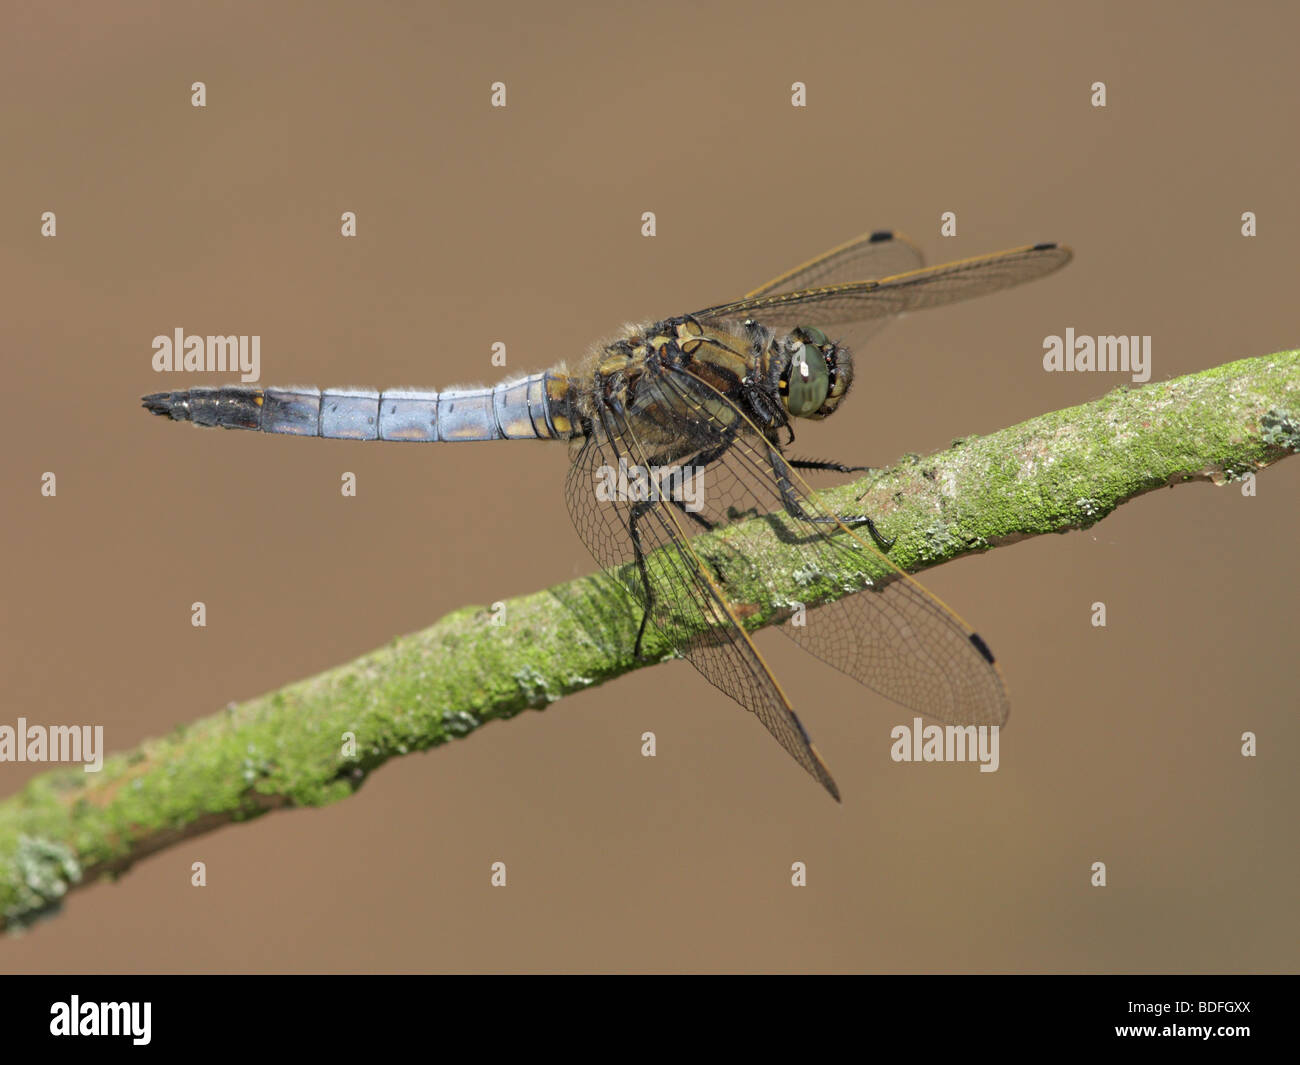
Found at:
<point>315,741</point>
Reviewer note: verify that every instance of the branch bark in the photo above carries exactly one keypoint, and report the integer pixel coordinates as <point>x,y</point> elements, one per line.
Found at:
<point>1061,471</point>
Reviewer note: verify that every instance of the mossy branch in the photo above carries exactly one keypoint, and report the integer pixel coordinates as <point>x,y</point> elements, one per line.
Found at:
<point>1061,471</point>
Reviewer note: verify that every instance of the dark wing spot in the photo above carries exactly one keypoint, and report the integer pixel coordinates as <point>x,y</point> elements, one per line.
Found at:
<point>981,646</point>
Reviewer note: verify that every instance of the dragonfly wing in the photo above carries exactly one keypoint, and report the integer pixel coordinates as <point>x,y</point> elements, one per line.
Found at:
<point>864,301</point>
<point>683,589</point>
<point>872,255</point>
<point>893,636</point>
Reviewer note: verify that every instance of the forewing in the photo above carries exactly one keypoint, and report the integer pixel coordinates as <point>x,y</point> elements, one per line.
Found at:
<point>872,255</point>
<point>682,586</point>
<point>869,300</point>
<point>894,636</point>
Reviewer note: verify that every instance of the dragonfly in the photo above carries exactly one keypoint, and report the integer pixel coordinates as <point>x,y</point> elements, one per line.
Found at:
<point>682,426</point>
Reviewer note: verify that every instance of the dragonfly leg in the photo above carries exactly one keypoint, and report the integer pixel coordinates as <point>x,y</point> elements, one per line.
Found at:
<point>883,542</point>
<point>790,500</point>
<point>639,554</point>
<point>699,520</point>
<point>837,467</point>
<point>708,526</point>
<point>702,461</point>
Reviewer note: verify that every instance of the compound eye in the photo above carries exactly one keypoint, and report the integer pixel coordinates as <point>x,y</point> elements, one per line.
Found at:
<point>815,335</point>
<point>808,383</point>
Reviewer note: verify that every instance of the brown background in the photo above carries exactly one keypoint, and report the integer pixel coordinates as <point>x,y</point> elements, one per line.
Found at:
<point>522,225</point>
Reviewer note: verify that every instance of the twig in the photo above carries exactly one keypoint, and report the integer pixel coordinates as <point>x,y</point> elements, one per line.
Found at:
<point>1061,471</point>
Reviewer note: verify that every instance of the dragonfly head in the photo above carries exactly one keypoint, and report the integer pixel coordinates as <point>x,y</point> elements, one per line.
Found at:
<point>815,373</point>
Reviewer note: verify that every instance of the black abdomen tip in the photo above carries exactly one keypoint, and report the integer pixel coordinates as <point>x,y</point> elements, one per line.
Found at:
<point>174,405</point>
